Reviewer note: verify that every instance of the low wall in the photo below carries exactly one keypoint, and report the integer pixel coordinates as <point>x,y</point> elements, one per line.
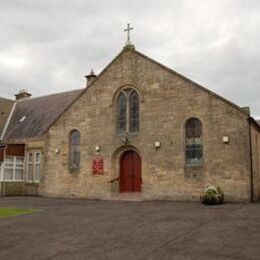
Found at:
<point>18,189</point>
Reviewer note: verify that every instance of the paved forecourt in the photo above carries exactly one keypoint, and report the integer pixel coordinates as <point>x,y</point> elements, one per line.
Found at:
<point>82,229</point>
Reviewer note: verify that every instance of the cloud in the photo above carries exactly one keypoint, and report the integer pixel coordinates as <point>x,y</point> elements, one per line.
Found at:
<point>49,45</point>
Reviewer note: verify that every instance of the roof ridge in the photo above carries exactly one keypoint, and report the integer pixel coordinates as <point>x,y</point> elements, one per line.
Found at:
<point>7,99</point>
<point>48,95</point>
<point>37,120</point>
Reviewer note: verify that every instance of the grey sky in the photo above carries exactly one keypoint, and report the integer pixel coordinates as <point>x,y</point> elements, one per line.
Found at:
<point>48,46</point>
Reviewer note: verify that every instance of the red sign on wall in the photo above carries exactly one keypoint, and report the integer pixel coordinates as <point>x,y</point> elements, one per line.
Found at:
<point>98,165</point>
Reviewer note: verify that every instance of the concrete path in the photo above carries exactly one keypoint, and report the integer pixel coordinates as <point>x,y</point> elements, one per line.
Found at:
<point>81,229</point>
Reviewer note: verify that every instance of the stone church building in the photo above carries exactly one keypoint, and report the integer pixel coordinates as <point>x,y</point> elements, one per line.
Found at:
<point>138,128</point>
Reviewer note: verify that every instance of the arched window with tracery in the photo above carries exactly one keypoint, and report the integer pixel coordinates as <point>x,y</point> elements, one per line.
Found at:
<point>133,112</point>
<point>74,152</point>
<point>193,141</point>
<point>128,111</point>
<point>121,113</point>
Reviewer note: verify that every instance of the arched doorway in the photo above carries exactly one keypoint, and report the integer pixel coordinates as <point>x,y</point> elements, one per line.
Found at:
<point>130,179</point>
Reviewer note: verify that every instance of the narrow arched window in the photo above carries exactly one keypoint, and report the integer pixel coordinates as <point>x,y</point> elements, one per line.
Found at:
<point>193,141</point>
<point>121,113</point>
<point>74,158</point>
<point>128,111</point>
<point>133,112</point>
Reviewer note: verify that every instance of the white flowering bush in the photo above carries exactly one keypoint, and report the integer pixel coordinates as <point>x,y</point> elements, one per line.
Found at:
<point>212,195</point>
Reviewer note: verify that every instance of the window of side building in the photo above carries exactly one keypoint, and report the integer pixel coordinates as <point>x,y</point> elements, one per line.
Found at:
<point>33,166</point>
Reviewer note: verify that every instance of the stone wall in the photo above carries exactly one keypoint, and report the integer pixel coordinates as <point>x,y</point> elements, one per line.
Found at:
<point>255,137</point>
<point>12,188</point>
<point>167,101</point>
<point>18,189</point>
<point>31,189</point>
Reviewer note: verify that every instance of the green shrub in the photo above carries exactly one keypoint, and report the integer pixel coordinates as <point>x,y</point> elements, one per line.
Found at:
<point>212,196</point>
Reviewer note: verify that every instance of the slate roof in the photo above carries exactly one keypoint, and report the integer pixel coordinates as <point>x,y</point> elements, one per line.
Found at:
<point>5,109</point>
<point>33,116</point>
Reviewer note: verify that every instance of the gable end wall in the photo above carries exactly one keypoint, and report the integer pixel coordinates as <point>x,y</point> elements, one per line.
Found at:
<point>168,101</point>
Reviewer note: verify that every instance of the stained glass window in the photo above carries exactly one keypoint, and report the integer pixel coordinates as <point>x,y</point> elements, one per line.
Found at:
<point>121,113</point>
<point>128,111</point>
<point>194,147</point>
<point>133,112</point>
<point>74,149</point>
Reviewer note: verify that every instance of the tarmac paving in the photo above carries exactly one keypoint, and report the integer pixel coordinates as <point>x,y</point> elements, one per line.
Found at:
<point>83,229</point>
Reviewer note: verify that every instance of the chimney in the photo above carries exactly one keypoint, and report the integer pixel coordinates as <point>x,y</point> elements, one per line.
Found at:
<point>23,93</point>
<point>90,77</point>
<point>247,110</point>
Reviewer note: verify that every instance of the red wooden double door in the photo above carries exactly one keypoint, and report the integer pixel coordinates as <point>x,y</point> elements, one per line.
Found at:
<point>130,172</point>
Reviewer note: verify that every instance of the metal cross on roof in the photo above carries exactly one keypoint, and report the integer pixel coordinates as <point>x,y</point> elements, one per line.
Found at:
<point>128,29</point>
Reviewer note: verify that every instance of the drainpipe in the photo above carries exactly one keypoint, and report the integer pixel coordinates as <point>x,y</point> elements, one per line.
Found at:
<point>251,163</point>
<point>1,178</point>
<point>2,184</point>
<point>2,174</point>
